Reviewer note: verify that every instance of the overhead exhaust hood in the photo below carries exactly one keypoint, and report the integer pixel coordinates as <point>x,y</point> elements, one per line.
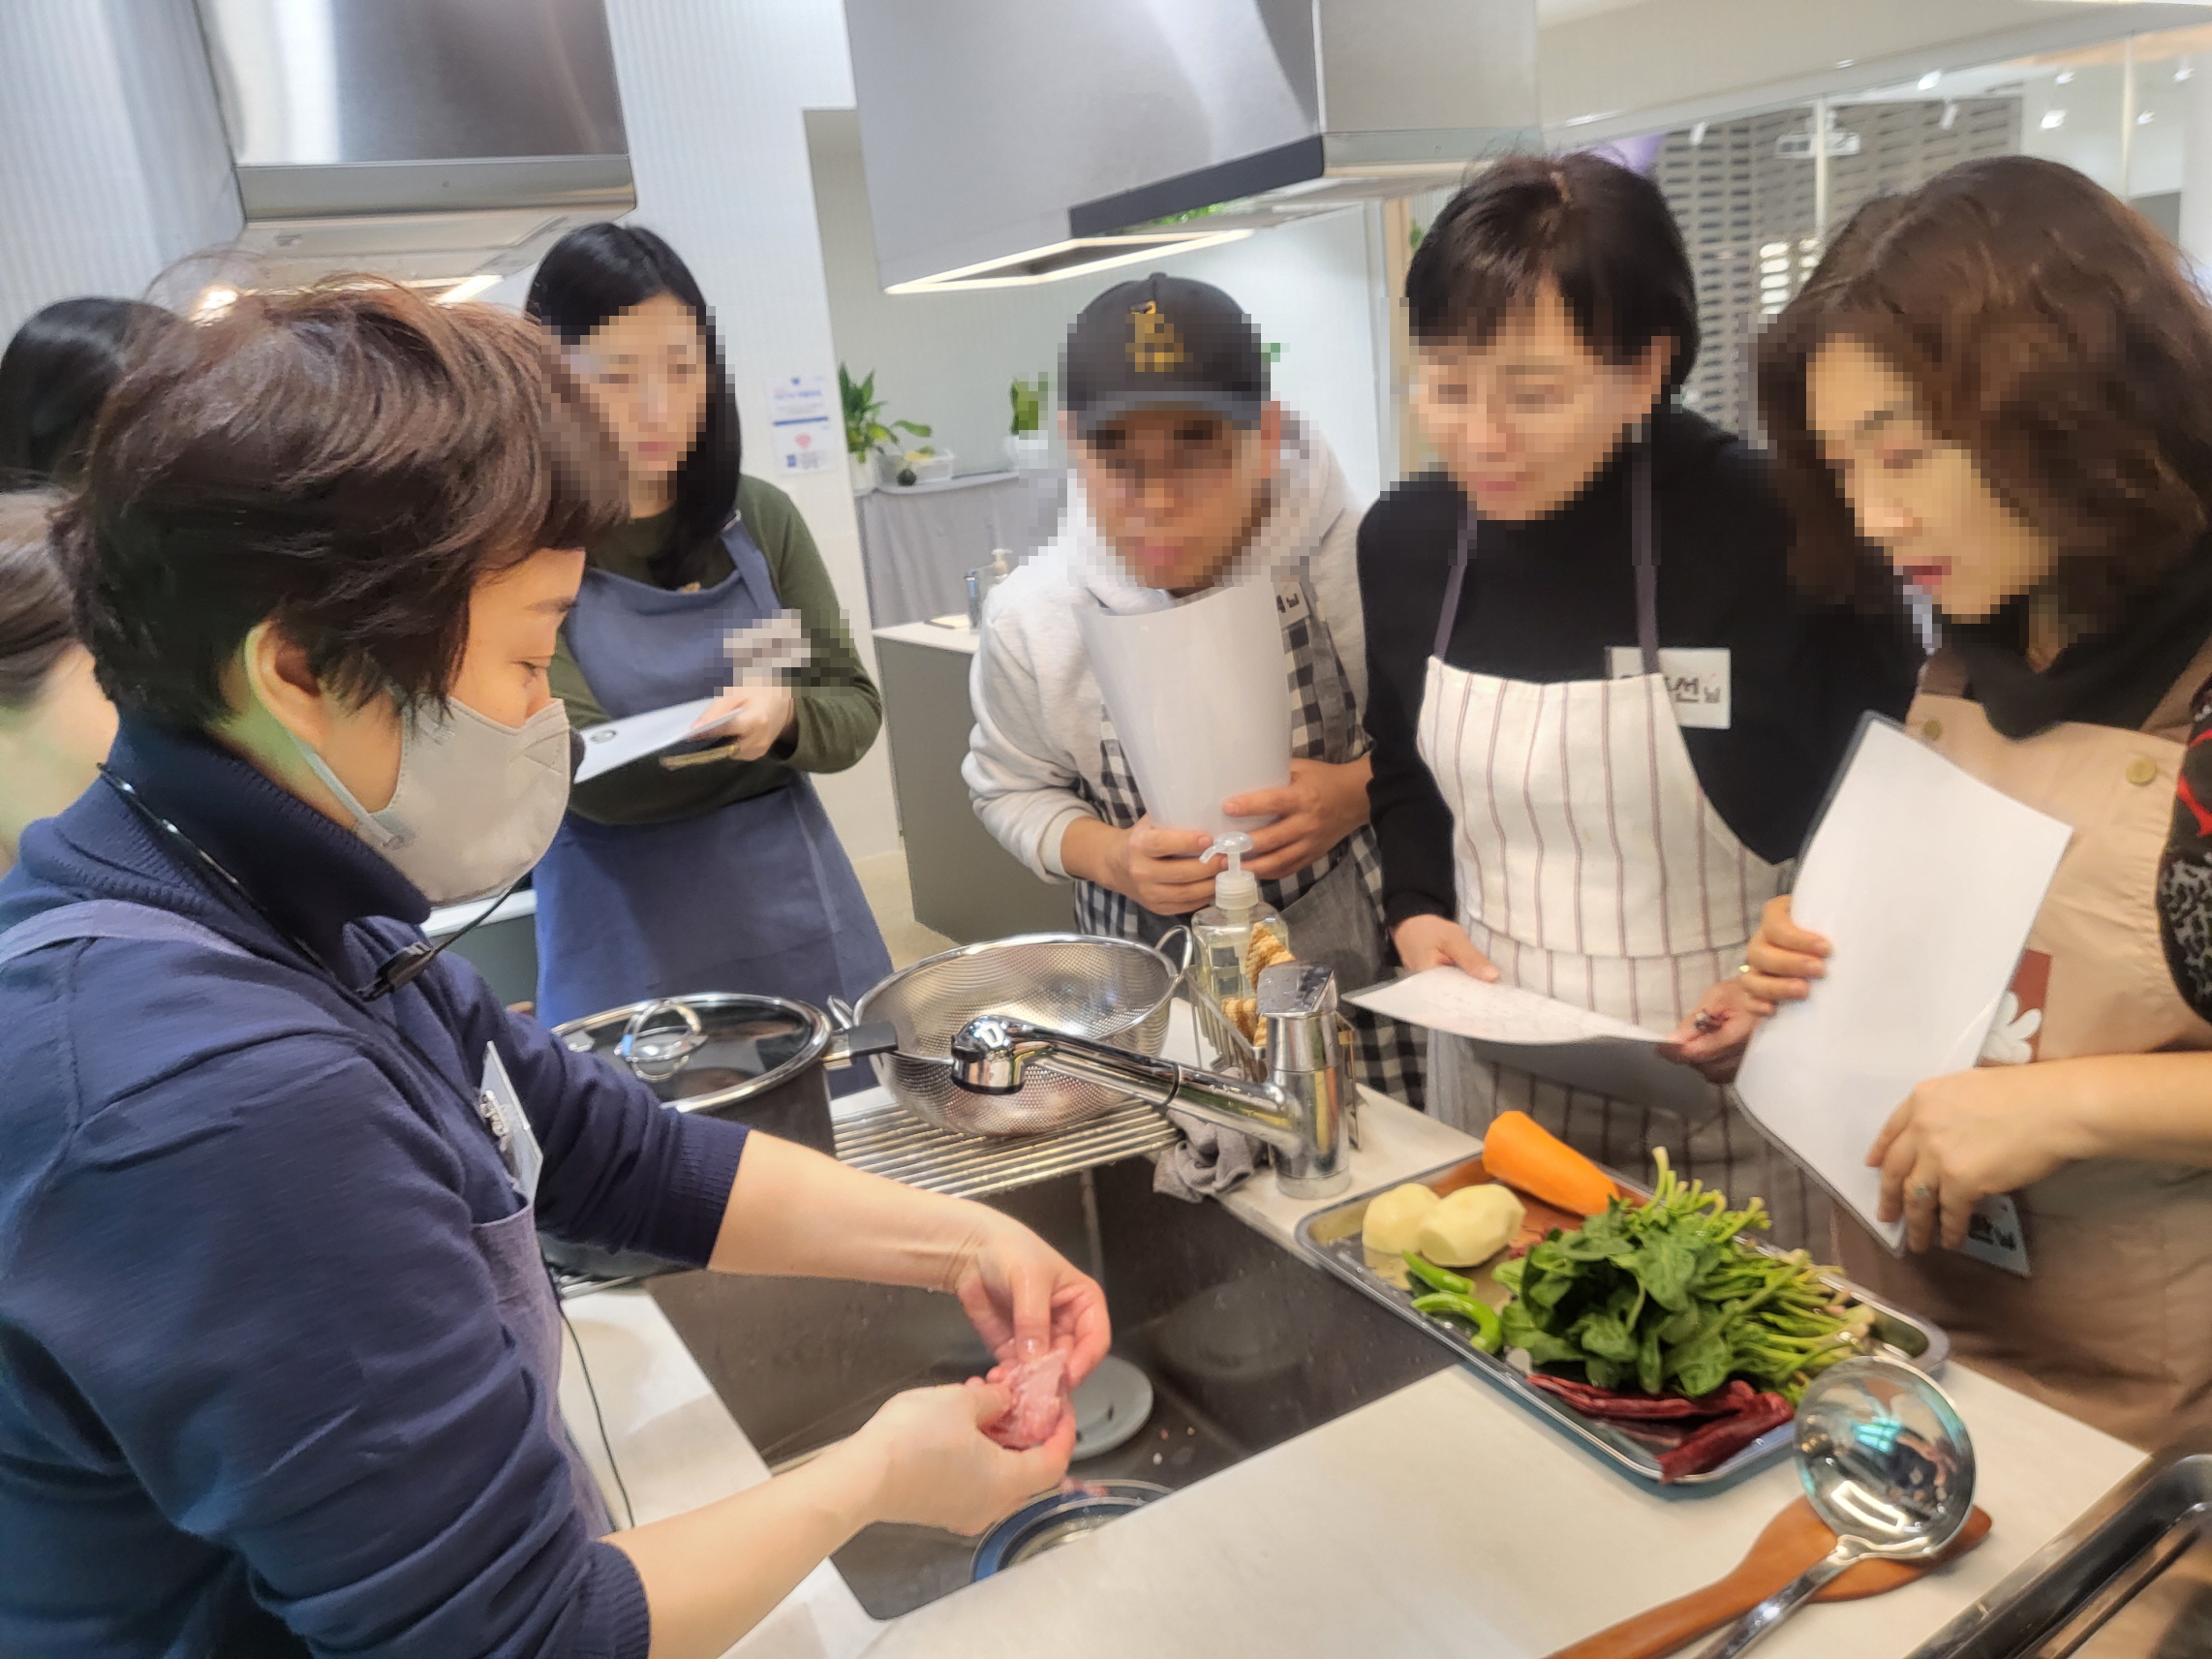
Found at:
<point>443,142</point>
<point>1007,140</point>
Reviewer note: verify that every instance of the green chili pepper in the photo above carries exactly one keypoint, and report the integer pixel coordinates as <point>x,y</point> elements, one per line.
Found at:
<point>1489,1334</point>
<point>1437,1277</point>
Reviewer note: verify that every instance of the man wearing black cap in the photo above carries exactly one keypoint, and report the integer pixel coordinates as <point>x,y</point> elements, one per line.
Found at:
<point>1188,476</point>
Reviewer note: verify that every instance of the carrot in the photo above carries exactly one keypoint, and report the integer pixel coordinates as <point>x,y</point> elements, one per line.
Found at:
<point>1521,1152</point>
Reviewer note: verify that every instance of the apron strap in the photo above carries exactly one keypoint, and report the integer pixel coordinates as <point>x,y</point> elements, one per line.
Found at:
<point>1642,537</point>
<point>1450,612</point>
<point>108,919</point>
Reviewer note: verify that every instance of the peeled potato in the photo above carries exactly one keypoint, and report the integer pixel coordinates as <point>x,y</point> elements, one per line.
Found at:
<point>1470,1226</point>
<point>1394,1220</point>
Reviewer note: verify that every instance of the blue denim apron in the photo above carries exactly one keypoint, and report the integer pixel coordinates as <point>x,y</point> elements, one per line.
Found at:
<point>758,896</point>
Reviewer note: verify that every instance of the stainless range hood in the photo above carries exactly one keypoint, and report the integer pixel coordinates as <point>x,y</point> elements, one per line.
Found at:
<point>1013,141</point>
<point>443,142</point>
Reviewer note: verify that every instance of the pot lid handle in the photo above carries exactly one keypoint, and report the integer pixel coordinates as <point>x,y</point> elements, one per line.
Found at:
<point>657,1056</point>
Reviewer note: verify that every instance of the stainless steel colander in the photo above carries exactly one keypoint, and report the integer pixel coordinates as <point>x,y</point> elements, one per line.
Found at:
<point>1112,989</point>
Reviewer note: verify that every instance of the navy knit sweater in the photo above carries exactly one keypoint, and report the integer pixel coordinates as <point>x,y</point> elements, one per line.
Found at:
<point>256,1397</point>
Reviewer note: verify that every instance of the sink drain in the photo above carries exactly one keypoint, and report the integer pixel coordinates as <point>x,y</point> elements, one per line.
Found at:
<point>1054,1520</point>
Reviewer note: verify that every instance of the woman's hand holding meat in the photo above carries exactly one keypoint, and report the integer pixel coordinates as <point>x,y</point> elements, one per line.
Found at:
<point>1024,1296</point>
<point>928,1463</point>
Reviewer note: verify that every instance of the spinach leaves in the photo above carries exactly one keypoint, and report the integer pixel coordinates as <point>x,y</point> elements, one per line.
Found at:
<point>1668,1297</point>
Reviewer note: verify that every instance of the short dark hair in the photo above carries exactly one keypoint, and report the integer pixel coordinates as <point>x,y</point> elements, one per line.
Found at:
<point>35,629</point>
<point>53,377</point>
<point>346,461</point>
<point>2049,330</point>
<point>599,272</point>
<point>1600,234</point>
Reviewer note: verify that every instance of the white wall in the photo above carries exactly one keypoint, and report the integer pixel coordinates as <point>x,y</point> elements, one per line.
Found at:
<point>112,163</point>
<point>712,92</point>
<point>946,360</point>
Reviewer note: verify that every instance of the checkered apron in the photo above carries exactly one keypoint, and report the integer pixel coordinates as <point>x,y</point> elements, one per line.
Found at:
<point>1325,725</point>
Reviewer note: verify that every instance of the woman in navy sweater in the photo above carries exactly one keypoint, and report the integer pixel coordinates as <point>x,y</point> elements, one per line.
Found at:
<point>280,1355</point>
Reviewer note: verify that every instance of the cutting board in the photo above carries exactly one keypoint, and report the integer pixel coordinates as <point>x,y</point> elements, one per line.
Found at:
<point>1792,1542</point>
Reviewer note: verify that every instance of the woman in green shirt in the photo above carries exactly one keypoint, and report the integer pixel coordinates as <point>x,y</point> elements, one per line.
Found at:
<point>713,866</point>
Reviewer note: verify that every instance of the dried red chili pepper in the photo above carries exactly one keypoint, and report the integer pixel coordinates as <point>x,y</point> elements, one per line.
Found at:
<point>1621,1407</point>
<point>1718,1441</point>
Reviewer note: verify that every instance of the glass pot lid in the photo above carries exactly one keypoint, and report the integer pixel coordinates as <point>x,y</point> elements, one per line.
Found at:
<point>710,1049</point>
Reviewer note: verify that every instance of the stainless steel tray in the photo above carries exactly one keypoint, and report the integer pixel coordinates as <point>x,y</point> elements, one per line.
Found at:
<point>1331,1236</point>
<point>2128,1581</point>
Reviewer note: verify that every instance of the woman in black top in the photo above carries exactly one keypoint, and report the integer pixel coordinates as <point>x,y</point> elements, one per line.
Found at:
<point>1602,723</point>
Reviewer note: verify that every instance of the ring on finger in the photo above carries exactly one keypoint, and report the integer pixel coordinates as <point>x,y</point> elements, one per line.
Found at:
<point>1921,1191</point>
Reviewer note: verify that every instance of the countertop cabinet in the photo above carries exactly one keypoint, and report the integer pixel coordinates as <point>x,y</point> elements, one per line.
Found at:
<point>965,886</point>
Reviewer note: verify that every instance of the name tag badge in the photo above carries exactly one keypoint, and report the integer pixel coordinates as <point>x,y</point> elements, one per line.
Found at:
<point>502,1111</point>
<point>1697,679</point>
<point>1994,1235</point>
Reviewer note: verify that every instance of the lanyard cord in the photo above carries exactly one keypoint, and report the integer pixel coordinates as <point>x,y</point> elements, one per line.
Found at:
<point>1642,540</point>
<point>398,969</point>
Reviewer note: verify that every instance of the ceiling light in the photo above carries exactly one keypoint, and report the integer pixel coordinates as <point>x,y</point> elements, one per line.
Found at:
<point>1697,135</point>
<point>2144,119</point>
<point>2053,118</point>
<point>1845,62</point>
<point>1077,257</point>
<point>1950,117</point>
<point>1930,81</point>
<point>2066,77</point>
<point>468,287</point>
<point>2183,72</point>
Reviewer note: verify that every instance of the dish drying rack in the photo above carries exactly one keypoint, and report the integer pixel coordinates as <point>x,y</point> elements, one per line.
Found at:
<point>888,1139</point>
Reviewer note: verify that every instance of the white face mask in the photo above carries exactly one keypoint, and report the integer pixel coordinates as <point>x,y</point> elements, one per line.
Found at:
<point>476,805</point>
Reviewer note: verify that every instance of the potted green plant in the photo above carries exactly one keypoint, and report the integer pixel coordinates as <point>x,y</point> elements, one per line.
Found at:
<point>865,429</point>
<point>1028,445</point>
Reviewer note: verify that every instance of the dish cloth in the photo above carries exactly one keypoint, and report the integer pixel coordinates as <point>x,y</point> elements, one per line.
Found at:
<point>1207,1162</point>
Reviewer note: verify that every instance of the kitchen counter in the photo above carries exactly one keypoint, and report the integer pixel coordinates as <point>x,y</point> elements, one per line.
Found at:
<point>965,884</point>
<point>1444,1518</point>
<point>936,635</point>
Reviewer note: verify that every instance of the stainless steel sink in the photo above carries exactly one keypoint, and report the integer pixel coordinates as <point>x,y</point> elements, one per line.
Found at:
<point>1246,1346</point>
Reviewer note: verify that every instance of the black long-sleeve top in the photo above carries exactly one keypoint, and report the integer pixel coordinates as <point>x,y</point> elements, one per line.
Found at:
<point>1544,599</point>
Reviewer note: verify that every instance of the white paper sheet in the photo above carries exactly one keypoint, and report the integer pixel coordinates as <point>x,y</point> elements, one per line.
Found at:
<point>1199,700</point>
<point>1543,1037</point>
<point>1925,881</point>
<point>618,742</point>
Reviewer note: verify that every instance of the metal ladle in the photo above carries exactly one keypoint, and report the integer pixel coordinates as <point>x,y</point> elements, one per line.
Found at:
<point>1888,1465</point>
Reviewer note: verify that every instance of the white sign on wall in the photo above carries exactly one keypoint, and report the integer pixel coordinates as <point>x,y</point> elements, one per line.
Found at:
<point>799,409</point>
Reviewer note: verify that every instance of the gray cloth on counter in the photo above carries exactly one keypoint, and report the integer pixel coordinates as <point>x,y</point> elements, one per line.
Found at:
<point>1207,1162</point>
<point>918,545</point>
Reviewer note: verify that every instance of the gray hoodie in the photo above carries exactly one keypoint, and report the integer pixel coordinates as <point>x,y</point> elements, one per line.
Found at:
<point>1038,710</point>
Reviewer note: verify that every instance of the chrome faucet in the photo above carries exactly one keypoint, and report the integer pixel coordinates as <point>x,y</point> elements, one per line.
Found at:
<point>1300,1111</point>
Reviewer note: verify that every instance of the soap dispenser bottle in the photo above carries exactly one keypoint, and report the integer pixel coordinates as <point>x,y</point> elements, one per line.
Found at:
<point>1223,930</point>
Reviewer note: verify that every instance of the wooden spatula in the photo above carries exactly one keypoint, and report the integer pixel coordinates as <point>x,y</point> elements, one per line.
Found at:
<point>1792,1542</point>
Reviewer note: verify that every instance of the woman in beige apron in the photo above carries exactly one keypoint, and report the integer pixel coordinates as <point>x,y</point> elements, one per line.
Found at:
<point>2092,1107</point>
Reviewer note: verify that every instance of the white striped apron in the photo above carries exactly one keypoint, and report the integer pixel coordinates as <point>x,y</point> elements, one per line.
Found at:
<point>1591,868</point>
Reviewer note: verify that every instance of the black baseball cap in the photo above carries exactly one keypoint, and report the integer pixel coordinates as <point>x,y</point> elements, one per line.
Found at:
<point>1164,342</point>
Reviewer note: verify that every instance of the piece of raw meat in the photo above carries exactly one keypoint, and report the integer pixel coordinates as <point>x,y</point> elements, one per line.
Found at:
<point>1041,1397</point>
